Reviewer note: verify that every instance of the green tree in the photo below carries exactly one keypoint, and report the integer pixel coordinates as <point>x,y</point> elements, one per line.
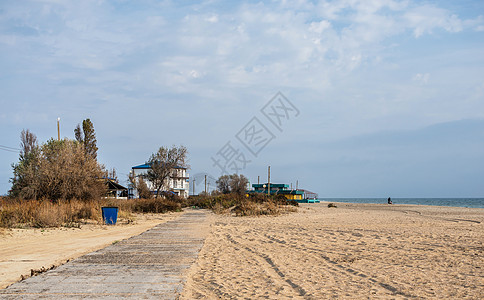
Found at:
<point>87,137</point>
<point>25,181</point>
<point>162,164</point>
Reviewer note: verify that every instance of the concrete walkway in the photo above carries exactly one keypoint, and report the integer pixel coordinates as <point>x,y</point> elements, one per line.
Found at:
<point>147,266</point>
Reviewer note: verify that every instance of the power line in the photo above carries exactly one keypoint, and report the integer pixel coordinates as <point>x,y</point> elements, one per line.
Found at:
<point>9,150</point>
<point>2,146</point>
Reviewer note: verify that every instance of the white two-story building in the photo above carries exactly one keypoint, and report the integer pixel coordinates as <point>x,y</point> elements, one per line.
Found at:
<point>176,183</point>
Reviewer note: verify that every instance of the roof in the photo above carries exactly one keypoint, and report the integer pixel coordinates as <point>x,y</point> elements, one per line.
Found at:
<point>273,185</point>
<point>112,185</point>
<point>143,166</point>
<point>148,166</point>
<point>277,192</point>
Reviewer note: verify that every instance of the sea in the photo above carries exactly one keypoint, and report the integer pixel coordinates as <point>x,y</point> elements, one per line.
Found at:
<point>455,202</point>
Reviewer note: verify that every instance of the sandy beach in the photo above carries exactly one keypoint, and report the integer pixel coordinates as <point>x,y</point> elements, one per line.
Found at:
<point>24,249</point>
<point>354,251</point>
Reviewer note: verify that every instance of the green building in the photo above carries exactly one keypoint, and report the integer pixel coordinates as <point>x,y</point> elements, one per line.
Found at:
<point>299,195</point>
<point>278,189</point>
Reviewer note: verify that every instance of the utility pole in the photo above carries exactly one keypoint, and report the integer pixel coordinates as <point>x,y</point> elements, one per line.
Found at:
<point>269,180</point>
<point>258,179</point>
<point>297,183</point>
<point>193,182</point>
<point>58,129</point>
<point>205,184</point>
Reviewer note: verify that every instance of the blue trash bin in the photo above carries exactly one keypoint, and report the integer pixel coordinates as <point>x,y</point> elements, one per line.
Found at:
<point>110,215</point>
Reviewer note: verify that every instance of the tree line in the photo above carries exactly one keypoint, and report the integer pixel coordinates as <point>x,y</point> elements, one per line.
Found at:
<point>68,169</point>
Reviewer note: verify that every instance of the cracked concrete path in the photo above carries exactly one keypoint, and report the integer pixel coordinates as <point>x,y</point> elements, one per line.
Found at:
<point>151,265</point>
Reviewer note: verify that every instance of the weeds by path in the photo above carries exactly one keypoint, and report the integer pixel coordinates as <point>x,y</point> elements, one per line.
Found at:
<point>18,213</point>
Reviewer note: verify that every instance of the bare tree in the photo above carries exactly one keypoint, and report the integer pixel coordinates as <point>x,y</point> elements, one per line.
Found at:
<point>143,190</point>
<point>162,163</point>
<point>223,184</point>
<point>232,184</point>
<point>28,141</point>
<point>238,184</point>
<point>140,185</point>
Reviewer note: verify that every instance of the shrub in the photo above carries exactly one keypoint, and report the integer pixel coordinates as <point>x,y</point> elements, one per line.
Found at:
<point>57,170</point>
<point>155,205</point>
<point>253,205</point>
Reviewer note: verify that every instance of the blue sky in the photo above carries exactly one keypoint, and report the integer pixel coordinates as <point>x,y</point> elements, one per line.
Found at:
<point>389,95</point>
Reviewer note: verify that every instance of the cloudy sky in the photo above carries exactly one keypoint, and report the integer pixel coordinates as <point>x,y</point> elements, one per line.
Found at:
<point>349,98</point>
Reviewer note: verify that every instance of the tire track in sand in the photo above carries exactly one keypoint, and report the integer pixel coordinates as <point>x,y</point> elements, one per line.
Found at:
<point>273,268</point>
<point>339,268</point>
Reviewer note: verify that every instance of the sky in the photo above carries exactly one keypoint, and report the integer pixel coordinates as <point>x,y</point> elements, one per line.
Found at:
<point>371,98</point>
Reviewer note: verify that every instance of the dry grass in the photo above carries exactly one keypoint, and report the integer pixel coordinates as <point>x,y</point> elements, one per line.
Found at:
<point>255,205</point>
<point>250,208</point>
<point>18,213</point>
<point>33,213</point>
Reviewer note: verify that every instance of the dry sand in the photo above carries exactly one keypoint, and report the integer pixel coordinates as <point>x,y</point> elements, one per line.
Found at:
<point>24,249</point>
<point>355,251</point>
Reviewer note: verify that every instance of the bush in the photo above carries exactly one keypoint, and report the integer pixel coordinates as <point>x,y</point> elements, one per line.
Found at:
<point>57,170</point>
<point>253,205</point>
<point>156,205</point>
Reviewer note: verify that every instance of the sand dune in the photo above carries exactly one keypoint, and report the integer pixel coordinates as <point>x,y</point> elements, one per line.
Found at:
<point>353,251</point>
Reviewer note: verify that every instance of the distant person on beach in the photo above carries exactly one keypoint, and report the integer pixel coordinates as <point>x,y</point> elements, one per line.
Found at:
<point>390,200</point>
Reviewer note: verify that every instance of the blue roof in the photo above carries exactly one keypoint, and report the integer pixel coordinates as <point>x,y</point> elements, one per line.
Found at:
<point>148,166</point>
<point>143,166</point>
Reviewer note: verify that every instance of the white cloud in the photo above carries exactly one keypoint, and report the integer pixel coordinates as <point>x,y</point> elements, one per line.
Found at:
<point>352,66</point>
<point>422,78</point>
<point>212,19</point>
<point>319,27</point>
<point>426,18</point>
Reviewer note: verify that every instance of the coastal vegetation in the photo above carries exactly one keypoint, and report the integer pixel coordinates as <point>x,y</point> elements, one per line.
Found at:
<point>58,169</point>
<point>242,205</point>
<point>61,183</point>
<point>15,213</point>
<point>231,198</point>
<point>235,183</point>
